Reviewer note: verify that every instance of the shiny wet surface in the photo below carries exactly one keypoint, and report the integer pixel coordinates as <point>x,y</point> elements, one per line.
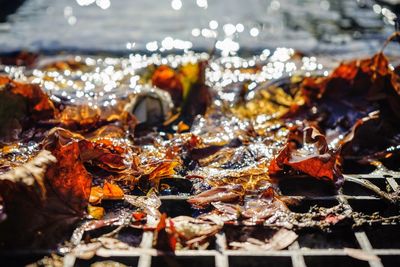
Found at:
<point>344,28</point>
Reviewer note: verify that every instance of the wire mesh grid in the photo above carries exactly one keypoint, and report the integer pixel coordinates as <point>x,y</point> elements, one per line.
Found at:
<point>313,248</point>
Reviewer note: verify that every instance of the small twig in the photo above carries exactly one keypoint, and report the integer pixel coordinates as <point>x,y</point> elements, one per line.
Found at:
<point>370,186</point>
<point>389,39</point>
<point>125,221</point>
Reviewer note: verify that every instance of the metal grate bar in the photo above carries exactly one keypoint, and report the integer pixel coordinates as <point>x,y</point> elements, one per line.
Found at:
<point>361,237</point>
<point>297,258</point>
<point>221,259</point>
<point>297,254</point>
<point>147,242</point>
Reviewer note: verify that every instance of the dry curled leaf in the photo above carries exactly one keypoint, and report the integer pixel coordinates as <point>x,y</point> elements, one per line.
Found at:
<point>307,151</point>
<point>339,103</point>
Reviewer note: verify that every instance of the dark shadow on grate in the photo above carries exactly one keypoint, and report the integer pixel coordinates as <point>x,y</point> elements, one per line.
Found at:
<point>390,261</point>
<point>175,186</point>
<point>350,167</point>
<point>333,261</point>
<point>370,206</point>
<point>385,236</point>
<point>305,205</point>
<point>131,236</point>
<point>242,233</point>
<point>128,261</point>
<point>175,208</point>
<point>339,239</point>
<point>353,189</point>
<point>259,261</point>
<point>182,261</point>
<point>7,259</point>
<point>304,186</point>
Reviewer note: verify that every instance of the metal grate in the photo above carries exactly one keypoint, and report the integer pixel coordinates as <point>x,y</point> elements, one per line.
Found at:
<point>311,249</point>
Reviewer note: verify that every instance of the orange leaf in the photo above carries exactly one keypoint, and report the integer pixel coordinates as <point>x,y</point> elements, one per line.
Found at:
<point>167,79</point>
<point>318,161</point>
<point>96,195</point>
<point>96,212</point>
<point>164,169</point>
<point>183,127</point>
<point>112,191</point>
<point>138,216</point>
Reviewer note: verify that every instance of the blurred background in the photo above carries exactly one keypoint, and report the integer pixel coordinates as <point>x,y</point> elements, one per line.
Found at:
<point>348,28</point>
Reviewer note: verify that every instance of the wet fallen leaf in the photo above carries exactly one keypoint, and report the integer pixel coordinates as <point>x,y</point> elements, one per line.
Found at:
<point>339,103</point>
<point>112,243</point>
<point>275,240</point>
<point>165,238</point>
<point>96,212</point>
<point>183,127</point>
<point>194,233</point>
<point>307,152</point>
<point>96,195</point>
<point>168,79</point>
<point>112,191</point>
<point>51,190</point>
<point>223,193</point>
<point>148,204</point>
<point>21,105</point>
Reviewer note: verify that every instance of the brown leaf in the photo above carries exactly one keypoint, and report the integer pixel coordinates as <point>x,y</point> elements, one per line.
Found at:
<point>229,193</point>
<point>51,190</point>
<point>312,157</point>
<point>165,239</point>
<point>268,239</point>
<point>21,106</point>
<point>103,154</point>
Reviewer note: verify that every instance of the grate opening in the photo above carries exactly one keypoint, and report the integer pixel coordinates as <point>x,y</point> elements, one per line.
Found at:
<point>98,232</point>
<point>353,189</point>
<point>390,261</point>
<point>370,206</point>
<point>392,163</point>
<point>175,186</point>
<point>182,261</point>
<point>304,186</point>
<point>175,208</point>
<point>7,259</point>
<point>131,236</point>
<point>333,261</point>
<point>305,205</point>
<point>350,167</point>
<point>241,234</point>
<point>259,261</point>
<point>384,237</point>
<point>102,261</point>
<point>339,239</point>
<point>312,248</point>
